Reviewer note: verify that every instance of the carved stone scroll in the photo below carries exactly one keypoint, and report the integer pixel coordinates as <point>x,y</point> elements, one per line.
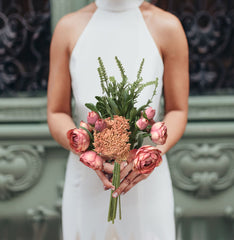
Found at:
<point>202,169</point>
<point>20,169</point>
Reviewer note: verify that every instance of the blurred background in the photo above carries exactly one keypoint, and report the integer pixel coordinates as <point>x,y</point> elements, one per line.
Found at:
<point>32,165</point>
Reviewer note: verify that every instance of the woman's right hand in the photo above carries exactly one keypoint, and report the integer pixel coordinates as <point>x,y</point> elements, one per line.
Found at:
<point>106,172</point>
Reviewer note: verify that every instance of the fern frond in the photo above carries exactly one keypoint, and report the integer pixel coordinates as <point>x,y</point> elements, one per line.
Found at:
<point>122,71</point>
<point>140,69</point>
<point>103,75</point>
<point>155,88</point>
<point>102,80</point>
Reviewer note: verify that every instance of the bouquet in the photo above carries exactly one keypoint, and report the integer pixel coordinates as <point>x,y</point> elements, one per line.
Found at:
<point>115,129</point>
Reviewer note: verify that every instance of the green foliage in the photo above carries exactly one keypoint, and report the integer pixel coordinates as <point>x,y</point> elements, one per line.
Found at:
<point>119,98</point>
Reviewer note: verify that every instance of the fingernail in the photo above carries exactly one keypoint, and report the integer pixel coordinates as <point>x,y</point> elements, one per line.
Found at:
<point>115,195</point>
<point>125,164</point>
<point>113,188</point>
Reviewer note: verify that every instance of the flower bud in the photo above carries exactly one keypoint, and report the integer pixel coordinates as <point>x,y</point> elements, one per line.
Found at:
<point>92,160</point>
<point>159,133</point>
<point>150,112</point>
<point>92,117</point>
<point>100,124</point>
<point>86,125</point>
<point>142,123</point>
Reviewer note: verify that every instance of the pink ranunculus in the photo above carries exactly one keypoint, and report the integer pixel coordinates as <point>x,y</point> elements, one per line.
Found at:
<point>142,123</point>
<point>92,160</point>
<point>146,159</point>
<point>159,133</point>
<point>79,139</point>
<point>150,112</point>
<point>86,125</point>
<point>100,124</point>
<point>151,122</point>
<point>92,117</point>
<point>131,155</point>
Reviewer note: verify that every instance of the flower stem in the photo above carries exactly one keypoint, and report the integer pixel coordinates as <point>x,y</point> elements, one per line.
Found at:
<point>114,201</point>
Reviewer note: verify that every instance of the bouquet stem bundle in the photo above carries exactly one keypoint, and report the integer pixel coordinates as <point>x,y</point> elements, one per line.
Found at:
<point>114,201</point>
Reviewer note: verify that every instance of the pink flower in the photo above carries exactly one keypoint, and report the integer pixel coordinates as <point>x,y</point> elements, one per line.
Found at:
<point>150,112</point>
<point>151,122</point>
<point>159,133</point>
<point>86,125</point>
<point>92,160</point>
<point>146,159</point>
<point>100,124</point>
<point>92,117</point>
<point>142,123</point>
<point>79,139</point>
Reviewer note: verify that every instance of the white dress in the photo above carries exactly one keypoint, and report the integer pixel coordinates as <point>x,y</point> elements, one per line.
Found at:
<point>117,28</point>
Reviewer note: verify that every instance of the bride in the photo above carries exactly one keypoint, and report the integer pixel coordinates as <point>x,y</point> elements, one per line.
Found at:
<point>131,30</point>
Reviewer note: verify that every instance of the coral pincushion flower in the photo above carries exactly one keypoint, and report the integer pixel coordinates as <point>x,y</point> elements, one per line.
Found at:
<point>146,159</point>
<point>159,133</point>
<point>112,142</point>
<point>92,160</point>
<point>79,139</point>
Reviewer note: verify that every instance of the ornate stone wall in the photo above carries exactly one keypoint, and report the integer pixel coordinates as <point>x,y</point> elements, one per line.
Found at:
<point>32,165</point>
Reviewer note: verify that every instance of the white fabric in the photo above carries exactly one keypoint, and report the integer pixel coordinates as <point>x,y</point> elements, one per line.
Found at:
<point>148,209</point>
<point>118,5</point>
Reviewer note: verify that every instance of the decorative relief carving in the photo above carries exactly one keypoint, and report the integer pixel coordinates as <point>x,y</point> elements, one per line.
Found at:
<point>24,46</point>
<point>202,169</point>
<point>209,29</point>
<point>229,212</point>
<point>40,218</point>
<point>20,169</point>
<point>41,214</point>
<point>60,187</point>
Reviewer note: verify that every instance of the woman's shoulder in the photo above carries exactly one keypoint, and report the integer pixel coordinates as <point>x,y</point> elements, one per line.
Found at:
<point>76,18</point>
<point>70,26</point>
<point>162,20</point>
<point>165,27</point>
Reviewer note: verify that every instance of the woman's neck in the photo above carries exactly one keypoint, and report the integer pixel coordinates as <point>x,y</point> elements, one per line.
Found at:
<point>118,5</point>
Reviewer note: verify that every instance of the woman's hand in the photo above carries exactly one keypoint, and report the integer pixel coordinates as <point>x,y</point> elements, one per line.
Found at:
<point>142,162</point>
<point>105,174</point>
<point>130,177</point>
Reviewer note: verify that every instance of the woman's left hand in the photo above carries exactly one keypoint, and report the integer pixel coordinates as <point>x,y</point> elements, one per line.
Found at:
<point>141,162</point>
<point>129,179</point>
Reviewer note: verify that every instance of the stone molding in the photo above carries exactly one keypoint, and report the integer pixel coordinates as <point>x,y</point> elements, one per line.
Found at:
<point>211,108</point>
<point>34,109</point>
<point>20,169</point>
<point>23,109</point>
<point>202,169</point>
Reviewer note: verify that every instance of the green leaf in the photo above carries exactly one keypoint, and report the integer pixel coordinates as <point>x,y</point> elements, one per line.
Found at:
<point>144,115</point>
<point>133,113</point>
<point>139,140</point>
<point>91,106</point>
<point>90,135</point>
<point>113,105</point>
<point>102,109</point>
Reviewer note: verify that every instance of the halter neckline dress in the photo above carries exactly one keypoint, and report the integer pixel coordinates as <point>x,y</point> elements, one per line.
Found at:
<point>117,28</point>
